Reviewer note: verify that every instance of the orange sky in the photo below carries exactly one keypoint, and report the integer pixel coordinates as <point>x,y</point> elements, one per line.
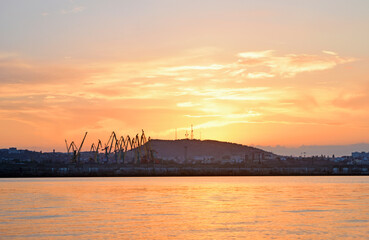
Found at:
<point>251,73</point>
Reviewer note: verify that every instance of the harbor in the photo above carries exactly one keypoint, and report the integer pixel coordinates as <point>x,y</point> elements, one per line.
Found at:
<point>117,170</point>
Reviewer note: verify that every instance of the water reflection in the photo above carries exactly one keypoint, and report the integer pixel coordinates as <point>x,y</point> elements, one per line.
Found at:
<point>186,208</point>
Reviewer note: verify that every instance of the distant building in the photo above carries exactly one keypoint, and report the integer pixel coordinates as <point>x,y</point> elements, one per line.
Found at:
<point>237,159</point>
<point>339,159</point>
<point>203,159</point>
<point>13,150</point>
<point>360,155</point>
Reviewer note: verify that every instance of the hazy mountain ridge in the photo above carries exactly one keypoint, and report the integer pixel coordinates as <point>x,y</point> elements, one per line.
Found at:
<point>310,150</point>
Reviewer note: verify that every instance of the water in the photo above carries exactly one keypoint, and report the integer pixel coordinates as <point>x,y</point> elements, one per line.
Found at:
<point>185,208</point>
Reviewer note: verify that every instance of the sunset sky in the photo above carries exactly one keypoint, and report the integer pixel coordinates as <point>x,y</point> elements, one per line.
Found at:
<point>252,72</point>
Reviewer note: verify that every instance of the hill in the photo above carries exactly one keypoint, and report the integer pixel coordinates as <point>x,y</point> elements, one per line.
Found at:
<point>211,150</point>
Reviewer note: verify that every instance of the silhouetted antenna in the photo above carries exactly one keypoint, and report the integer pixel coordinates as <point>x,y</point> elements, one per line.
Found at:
<point>186,134</point>
<point>191,132</point>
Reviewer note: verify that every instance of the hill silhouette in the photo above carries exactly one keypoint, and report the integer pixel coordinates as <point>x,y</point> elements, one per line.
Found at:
<point>178,149</point>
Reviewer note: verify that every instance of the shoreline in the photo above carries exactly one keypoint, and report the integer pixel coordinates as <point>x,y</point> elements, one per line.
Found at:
<point>147,170</point>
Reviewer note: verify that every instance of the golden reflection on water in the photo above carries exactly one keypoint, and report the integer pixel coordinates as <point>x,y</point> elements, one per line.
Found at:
<point>185,208</point>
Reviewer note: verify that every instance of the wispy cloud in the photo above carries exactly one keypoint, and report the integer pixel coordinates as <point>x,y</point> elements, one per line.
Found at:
<point>255,65</point>
<point>220,120</point>
<point>172,93</point>
<point>185,68</point>
<point>73,10</point>
<point>353,99</point>
<point>6,56</point>
<point>256,55</point>
<point>290,64</point>
<point>329,52</point>
<point>259,75</point>
<point>186,104</point>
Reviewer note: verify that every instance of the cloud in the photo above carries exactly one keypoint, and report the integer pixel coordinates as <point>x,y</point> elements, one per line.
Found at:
<point>353,100</point>
<point>203,116</point>
<point>74,96</point>
<point>235,94</point>
<point>289,65</point>
<point>221,120</point>
<point>74,10</point>
<point>186,104</point>
<point>259,75</point>
<point>13,69</point>
<point>6,56</point>
<point>184,68</point>
<point>256,55</point>
<point>253,65</point>
<point>330,52</point>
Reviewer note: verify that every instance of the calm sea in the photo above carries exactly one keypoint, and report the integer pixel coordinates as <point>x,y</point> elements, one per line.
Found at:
<point>185,208</point>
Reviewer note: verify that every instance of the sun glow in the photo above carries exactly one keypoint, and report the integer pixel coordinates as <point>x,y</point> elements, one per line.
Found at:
<point>249,78</point>
<point>215,99</point>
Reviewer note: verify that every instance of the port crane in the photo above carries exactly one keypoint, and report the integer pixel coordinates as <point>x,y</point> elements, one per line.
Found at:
<point>123,147</point>
<point>150,151</point>
<point>139,146</point>
<point>113,141</point>
<point>72,146</point>
<point>132,144</point>
<point>95,150</point>
<point>78,155</point>
<point>76,150</point>
<point>144,143</point>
